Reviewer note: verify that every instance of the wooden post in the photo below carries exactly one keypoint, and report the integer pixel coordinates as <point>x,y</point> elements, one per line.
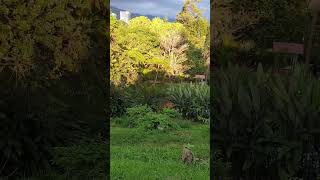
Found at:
<point>315,9</point>
<point>309,45</point>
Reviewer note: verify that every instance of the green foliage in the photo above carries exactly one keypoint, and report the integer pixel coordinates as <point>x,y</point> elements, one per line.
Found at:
<point>144,155</point>
<point>258,23</point>
<point>197,61</point>
<point>192,100</point>
<point>84,161</point>
<point>134,50</point>
<point>197,33</point>
<point>152,95</point>
<point>27,136</point>
<point>172,113</point>
<point>262,121</point>
<point>195,25</point>
<point>157,121</point>
<point>117,102</point>
<point>138,111</point>
<point>48,77</point>
<point>122,121</point>
<point>135,113</point>
<point>155,48</point>
<point>283,19</point>
<point>54,32</point>
<point>221,168</point>
<point>143,117</point>
<point>183,123</point>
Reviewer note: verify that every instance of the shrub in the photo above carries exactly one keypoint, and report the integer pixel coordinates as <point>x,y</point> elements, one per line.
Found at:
<point>221,168</point>
<point>28,136</point>
<point>144,118</point>
<point>117,102</point>
<point>137,112</point>
<point>156,121</point>
<point>192,100</point>
<point>152,95</point>
<point>123,121</point>
<point>261,120</point>
<point>83,161</point>
<point>172,113</point>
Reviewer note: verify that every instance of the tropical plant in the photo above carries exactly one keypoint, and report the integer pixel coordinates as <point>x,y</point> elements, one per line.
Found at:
<point>264,122</point>
<point>192,100</point>
<point>152,95</point>
<point>137,112</point>
<point>29,131</point>
<point>86,160</point>
<point>157,121</point>
<point>172,113</point>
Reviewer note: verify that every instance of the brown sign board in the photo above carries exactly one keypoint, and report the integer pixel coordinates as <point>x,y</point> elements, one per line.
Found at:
<point>200,76</point>
<point>290,48</point>
<point>315,5</point>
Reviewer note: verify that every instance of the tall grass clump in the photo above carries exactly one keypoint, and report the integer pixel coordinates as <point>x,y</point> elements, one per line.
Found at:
<point>267,124</point>
<point>191,100</point>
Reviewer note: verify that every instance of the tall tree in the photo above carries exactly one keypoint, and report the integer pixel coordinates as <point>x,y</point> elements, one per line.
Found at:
<point>195,25</point>
<point>196,31</point>
<point>174,48</point>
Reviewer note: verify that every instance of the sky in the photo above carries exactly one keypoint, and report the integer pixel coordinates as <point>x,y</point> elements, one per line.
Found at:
<point>169,8</point>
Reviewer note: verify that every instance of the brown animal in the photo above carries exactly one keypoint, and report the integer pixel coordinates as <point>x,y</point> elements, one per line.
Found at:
<point>187,155</point>
<point>168,104</point>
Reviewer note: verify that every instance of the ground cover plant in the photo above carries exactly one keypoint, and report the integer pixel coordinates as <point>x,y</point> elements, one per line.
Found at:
<point>147,144</point>
<point>266,125</point>
<point>140,154</point>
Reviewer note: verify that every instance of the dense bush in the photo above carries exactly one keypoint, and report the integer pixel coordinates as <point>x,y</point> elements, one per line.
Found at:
<point>50,57</point>
<point>192,100</point>
<point>146,93</point>
<point>137,112</point>
<point>143,117</point>
<point>117,102</point>
<point>47,38</point>
<point>172,113</point>
<point>157,121</point>
<point>260,22</point>
<point>84,161</point>
<point>265,124</point>
<point>30,130</point>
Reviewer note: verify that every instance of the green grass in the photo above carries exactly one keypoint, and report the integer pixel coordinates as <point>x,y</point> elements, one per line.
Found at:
<point>139,155</point>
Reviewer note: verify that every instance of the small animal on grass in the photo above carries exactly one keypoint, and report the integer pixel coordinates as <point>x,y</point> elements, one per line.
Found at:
<point>187,155</point>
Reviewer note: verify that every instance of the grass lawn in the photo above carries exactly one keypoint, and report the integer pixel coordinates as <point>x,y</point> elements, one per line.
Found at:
<point>140,155</point>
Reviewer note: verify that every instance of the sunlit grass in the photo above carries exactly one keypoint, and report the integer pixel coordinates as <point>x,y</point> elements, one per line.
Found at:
<point>140,155</point>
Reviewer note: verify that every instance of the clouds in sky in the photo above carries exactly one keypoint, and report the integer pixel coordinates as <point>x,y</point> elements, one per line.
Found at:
<point>169,8</point>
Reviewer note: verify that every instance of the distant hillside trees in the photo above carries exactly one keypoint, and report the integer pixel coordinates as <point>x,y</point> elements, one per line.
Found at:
<point>156,48</point>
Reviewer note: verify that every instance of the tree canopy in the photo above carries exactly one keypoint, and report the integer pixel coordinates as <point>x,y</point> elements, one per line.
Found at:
<point>158,47</point>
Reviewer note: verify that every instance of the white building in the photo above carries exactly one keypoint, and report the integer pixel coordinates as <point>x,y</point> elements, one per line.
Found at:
<point>125,16</point>
<point>114,15</point>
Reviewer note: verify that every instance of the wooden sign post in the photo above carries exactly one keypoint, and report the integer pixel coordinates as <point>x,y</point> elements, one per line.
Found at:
<point>200,77</point>
<point>289,48</point>
<point>294,49</point>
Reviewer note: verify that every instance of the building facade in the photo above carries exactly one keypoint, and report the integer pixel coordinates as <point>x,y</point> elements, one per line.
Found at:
<point>114,15</point>
<point>125,16</point>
